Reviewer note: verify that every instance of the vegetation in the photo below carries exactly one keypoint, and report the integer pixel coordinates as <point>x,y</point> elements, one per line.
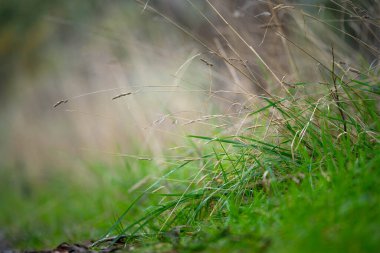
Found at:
<point>295,171</point>
<point>312,186</point>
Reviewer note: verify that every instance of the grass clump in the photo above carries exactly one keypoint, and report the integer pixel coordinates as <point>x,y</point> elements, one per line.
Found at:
<point>300,174</point>
<point>304,180</point>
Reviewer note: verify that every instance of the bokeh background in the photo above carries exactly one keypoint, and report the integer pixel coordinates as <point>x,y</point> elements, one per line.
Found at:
<point>89,52</point>
<point>57,162</point>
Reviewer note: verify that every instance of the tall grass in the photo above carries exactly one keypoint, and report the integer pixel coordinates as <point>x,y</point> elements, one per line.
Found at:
<point>298,172</point>
<point>279,105</point>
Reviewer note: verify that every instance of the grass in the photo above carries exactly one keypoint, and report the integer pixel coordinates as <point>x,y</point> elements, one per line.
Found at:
<point>311,187</point>
<point>38,214</point>
<point>298,172</point>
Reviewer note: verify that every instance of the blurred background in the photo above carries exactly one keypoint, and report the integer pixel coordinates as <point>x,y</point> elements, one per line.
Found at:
<point>62,168</point>
<point>90,88</point>
<point>86,53</point>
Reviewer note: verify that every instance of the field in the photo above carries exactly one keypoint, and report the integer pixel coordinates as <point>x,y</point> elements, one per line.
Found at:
<point>200,126</point>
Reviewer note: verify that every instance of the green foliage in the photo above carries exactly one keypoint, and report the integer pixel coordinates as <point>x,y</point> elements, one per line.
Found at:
<point>313,187</point>
<point>305,180</point>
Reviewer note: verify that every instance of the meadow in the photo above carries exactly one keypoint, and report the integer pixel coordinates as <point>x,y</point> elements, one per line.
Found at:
<point>250,127</point>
